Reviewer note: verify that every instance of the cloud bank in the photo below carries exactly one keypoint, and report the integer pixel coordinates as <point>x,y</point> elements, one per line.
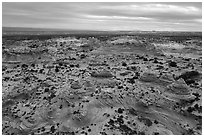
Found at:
<point>105,16</point>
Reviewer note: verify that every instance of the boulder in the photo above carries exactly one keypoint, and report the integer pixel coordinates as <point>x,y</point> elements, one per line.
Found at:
<point>190,76</point>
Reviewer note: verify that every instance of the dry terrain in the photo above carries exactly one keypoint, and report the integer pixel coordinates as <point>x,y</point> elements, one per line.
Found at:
<point>117,84</point>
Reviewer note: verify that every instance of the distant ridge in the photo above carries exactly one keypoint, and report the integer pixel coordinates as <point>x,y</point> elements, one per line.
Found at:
<point>32,29</point>
<point>24,29</point>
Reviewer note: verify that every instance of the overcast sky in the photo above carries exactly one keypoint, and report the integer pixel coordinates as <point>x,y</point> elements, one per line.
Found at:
<point>105,16</point>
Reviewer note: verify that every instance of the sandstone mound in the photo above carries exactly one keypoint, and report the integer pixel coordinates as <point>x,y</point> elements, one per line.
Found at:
<point>76,85</point>
<point>167,77</point>
<point>178,87</point>
<point>102,74</point>
<point>148,77</point>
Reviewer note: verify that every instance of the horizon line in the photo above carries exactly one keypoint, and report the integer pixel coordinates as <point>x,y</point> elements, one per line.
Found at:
<point>68,29</point>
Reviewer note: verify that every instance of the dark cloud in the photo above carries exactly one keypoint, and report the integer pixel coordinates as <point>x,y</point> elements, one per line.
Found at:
<point>105,16</point>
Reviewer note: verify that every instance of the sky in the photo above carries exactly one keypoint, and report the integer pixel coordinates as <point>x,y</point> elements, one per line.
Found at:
<point>107,16</point>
